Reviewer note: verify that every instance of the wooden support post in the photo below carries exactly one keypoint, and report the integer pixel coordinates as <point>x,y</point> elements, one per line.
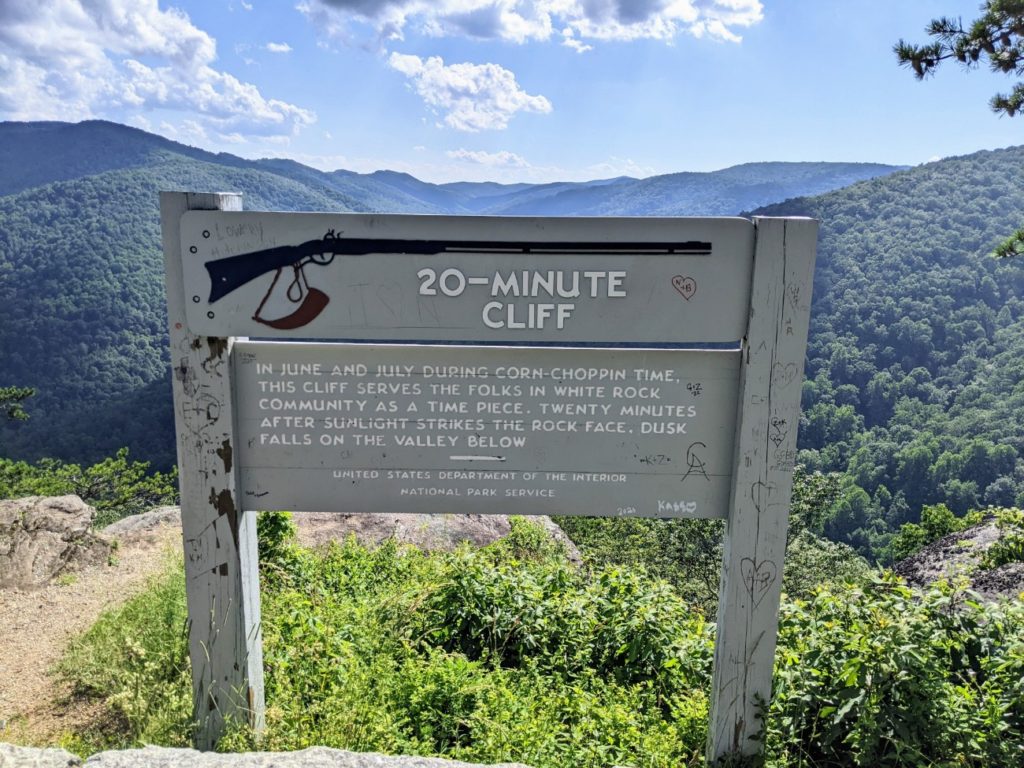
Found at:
<point>755,540</point>
<point>222,582</point>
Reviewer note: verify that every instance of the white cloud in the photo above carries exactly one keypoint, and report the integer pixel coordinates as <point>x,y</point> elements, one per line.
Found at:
<point>78,59</point>
<point>187,131</point>
<point>279,48</point>
<point>569,40</point>
<point>522,20</point>
<point>246,6</point>
<point>502,158</point>
<point>141,122</point>
<point>472,97</point>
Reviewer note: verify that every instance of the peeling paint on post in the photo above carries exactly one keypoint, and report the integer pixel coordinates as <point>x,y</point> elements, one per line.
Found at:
<point>219,539</point>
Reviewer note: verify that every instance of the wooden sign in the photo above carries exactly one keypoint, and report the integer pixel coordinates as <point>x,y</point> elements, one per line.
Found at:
<point>486,279</point>
<point>559,388</point>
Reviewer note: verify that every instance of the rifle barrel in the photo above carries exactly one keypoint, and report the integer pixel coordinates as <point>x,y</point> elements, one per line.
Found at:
<point>232,272</point>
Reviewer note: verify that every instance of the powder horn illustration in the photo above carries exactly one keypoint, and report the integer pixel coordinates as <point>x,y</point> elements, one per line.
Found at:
<point>231,273</point>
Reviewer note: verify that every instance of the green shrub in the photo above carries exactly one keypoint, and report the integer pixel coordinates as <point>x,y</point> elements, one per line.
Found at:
<point>937,520</point>
<point>886,676</point>
<point>1009,548</point>
<point>688,553</point>
<point>685,553</point>
<point>528,540</point>
<point>280,558</point>
<point>500,654</point>
<point>116,487</point>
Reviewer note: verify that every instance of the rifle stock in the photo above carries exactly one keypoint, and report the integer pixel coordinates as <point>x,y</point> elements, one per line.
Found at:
<point>232,272</point>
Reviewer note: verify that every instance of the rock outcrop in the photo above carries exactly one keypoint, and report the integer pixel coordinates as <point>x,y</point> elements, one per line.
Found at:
<point>429,532</point>
<point>161,757</point>
<point>42,537</point>
<point>29,757</point>
<point>959,554</point>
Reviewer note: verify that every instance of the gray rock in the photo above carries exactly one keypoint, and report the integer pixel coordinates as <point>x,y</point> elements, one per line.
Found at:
<point>429,532</point>
<point>954,554</point>
<point>29,757</point>
<point>144,524</point>
<point>315,757</point>
<point>960,554</point>
<point>1006,580</point>
<point>42,537</point>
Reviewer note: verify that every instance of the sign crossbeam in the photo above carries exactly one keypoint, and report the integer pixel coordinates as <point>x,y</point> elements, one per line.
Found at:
<point>580,403</point>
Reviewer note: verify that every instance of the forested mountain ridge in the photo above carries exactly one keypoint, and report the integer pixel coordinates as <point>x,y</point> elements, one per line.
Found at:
<point>81,270</point>
<point>738,188</point>
<point>34,154</point>
<point>915,365</point>
<point>81,283</point>
<point>915,368</point>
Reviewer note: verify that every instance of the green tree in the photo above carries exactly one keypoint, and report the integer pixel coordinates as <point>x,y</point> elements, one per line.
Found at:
<point>116,487</point>
<point>996,38</point>
<point>937,520</point>
<point>11,399</point>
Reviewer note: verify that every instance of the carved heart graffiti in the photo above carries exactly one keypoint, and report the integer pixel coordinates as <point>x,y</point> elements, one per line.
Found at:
<point>758,577</point>
<point>783,375</point>
<point>777,431</point>
<point>759,494</point>
<point>686,286</point>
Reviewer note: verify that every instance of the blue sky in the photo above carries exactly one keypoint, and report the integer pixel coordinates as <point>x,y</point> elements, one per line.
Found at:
<point>505,90</point>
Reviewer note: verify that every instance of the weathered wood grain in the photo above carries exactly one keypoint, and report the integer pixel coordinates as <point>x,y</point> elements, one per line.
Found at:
<point>769,409</point>
<point>219,539</point>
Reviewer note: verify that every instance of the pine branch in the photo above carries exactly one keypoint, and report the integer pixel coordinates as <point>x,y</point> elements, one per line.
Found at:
<point>1011,247</point>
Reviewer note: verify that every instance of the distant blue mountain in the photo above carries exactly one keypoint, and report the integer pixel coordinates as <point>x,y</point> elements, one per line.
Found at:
<point>81,270</point>
<point>34,154</point>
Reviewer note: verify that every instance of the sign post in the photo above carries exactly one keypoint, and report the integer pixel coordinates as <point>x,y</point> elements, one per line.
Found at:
<point>771,375</point>
<point>221,567</point>
<point>614,367</point>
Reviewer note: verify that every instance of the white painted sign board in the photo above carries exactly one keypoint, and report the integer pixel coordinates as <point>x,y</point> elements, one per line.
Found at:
<point>546,378</point>
<point>435,429</point>
<point>450,278</point>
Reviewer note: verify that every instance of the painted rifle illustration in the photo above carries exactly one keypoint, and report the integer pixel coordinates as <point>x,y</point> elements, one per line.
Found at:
<point>232,272</point>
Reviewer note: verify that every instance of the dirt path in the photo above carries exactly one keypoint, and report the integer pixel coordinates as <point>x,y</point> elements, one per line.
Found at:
<point>35,627</point>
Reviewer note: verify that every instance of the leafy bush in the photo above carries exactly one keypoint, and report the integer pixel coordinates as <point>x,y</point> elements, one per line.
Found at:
<point>280,557</point>
<point>685,553</point>
<point>116,487</point>
<point>886,676</point>
<point>937,521</point>
<point>688,553</point>
<point>509,654</point>
<point>1010,546</point>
